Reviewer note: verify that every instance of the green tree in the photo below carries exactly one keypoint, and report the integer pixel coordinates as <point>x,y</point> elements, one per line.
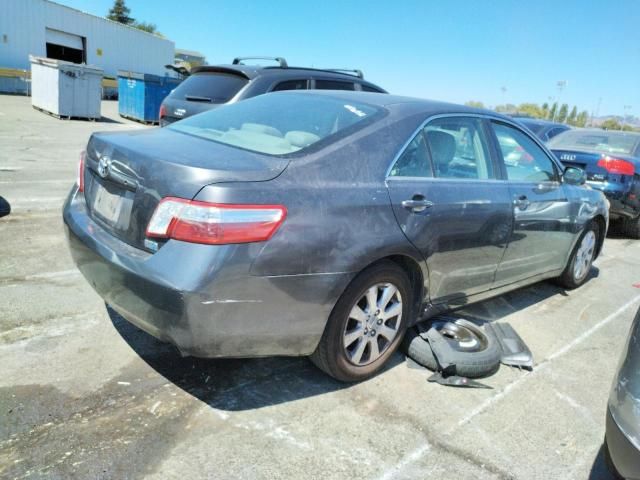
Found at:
<point>148,27</point>
<point>553,111</point>
<point>531,110</point>
<point>571,119</point>
<point>611,124</point>
<point>508,108</point>
<point>545,110</point>
<point>562,115</point>
<point>120,13</point>
<point>474,104</point>
<point>581,119</point>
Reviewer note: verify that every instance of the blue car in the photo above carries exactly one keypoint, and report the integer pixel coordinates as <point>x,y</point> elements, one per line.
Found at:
<point>543,129</point>
<point>611,160</point>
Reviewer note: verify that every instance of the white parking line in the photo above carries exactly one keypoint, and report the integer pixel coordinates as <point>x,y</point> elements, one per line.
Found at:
<point>544,364</point>
<point>415,454</point>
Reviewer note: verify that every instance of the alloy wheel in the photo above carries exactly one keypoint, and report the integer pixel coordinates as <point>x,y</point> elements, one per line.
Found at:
<point>584,255</point>
<point>373,324</point>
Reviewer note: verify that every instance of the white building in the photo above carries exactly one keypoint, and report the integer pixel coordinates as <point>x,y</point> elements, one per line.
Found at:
<point>47,29</point>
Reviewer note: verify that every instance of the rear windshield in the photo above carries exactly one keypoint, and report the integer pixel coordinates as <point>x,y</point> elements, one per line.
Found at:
<point>277,123</point>
<point>602,141</point>
<point>211,87</point>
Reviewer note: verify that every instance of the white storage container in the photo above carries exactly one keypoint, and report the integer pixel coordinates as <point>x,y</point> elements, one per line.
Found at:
<point>65,89</point>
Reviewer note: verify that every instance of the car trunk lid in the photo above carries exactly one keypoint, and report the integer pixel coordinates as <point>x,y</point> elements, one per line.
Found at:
<point>127,174</point>
<point>588,161</point>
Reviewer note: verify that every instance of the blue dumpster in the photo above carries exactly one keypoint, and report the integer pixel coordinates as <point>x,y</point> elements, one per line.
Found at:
<point>140,95</point>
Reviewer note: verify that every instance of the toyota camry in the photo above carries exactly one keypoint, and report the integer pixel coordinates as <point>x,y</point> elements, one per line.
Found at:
<point>323,223</point>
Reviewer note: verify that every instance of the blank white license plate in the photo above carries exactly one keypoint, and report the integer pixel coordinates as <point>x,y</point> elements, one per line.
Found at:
<point>107,205</point>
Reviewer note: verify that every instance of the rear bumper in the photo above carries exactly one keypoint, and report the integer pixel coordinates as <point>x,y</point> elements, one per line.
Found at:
<point>624,454</point>
<point>202,298</point>
<point>624,198</point>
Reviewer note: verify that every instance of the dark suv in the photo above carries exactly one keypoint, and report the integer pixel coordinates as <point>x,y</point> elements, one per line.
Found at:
<point>213,85</point>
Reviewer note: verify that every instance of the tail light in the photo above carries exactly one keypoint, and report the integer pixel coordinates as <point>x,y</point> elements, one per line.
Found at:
<point>162,112</point>
<point>80,179</point>
<point>214,223</point>
<point>616,165</point>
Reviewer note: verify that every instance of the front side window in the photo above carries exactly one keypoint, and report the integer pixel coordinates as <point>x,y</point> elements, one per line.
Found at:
<point>334,85</point>
<point>414,160</point>
<point>524,160</point>
<point>458,148</point>
<point>277,123</point>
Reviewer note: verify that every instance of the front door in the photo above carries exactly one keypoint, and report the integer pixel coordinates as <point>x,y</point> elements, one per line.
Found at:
<point>447,200</point>
<point>542,233</point>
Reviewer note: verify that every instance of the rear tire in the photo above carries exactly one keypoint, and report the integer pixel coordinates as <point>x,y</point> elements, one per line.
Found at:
<point>631,227</point>
<point>579,265</point>
<point>355,343</point>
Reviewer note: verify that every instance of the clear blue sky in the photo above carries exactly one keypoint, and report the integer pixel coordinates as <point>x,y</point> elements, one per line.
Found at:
<point>454,51</point>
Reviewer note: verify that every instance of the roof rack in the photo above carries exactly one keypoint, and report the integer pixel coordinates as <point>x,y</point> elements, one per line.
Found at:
<point>357,73</point>
<point>280,60</point>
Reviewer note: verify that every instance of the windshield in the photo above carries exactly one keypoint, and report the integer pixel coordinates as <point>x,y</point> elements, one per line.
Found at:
<point>602,141</point>
<point>276,123</point>
<point>209,87</point>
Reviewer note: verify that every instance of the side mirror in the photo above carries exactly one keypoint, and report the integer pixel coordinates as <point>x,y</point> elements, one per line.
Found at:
<point>5,208</point>
<point>574,176</point>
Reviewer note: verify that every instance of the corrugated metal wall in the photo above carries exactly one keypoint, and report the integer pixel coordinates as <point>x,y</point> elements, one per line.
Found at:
<point>109,45</point>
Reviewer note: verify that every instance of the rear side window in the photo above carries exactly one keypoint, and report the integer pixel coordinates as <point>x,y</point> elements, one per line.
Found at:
<point>334,85</point>
<point>524,160</point>
<point>211,87</point>
<point>458,148</point>
<point>554,131</point>
<point>291,85</point>
<point>367,88</point>
<point>414,160</point>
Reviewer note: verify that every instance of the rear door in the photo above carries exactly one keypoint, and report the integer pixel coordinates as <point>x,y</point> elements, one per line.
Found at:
<point>450,205</point>
<point>542,232</point>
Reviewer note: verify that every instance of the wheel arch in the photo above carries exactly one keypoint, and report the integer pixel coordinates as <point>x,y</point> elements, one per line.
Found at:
<point>601,224</point>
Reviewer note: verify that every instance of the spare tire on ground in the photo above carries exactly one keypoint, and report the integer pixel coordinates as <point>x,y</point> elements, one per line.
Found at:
<point>470,350</point>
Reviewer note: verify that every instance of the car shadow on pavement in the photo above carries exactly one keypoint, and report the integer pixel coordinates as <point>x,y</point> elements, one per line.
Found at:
<point>243,384</point>
<point>232,384</point>
<point>599,470</point>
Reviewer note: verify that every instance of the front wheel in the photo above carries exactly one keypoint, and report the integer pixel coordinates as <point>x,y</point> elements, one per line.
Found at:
<point>366,324</point>
<point>579,265</point>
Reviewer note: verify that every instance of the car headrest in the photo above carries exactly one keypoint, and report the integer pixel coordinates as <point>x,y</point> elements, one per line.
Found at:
<point>266,129</point>
<point>301,139</point>
<point>443,147</point>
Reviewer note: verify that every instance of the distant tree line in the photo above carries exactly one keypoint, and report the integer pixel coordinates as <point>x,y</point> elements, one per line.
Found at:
<point>544,112</point>
<point>120,13</point>
<point>552,113</point>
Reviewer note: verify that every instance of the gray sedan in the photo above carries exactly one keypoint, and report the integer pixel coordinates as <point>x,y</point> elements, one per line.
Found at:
<point>622,446</point>
<point>323,223</point>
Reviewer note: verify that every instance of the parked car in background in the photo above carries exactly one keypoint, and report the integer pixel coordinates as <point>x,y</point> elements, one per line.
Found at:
<point>326,231</point>
<point>210,86</point>
<point>544,129</point>
<point>622,444</point>
<point>611,160</point>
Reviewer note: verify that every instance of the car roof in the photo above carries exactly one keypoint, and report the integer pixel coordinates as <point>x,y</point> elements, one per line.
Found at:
<point>252,71</point>
<point>397,102</point>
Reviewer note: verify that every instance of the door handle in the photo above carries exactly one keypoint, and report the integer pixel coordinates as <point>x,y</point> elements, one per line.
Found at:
<point>522,202</point>
<point>417,204</point>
